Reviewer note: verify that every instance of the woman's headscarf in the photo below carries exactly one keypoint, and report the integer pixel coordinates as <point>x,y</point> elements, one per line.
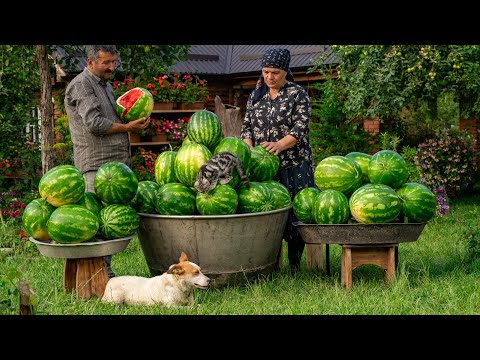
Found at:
<point>274,58</point>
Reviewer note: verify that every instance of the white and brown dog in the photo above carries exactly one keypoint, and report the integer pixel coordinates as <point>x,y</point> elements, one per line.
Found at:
<point>173,288</point>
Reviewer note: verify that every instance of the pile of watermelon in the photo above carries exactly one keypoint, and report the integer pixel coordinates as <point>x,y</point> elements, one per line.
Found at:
<point>66,214</point>
<point>363,188</point>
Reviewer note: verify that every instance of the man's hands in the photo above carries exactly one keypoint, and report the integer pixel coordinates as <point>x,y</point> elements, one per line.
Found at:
<point>138,125</point>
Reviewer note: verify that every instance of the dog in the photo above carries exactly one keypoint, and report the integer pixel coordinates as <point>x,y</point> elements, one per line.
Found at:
<point>172,289</point>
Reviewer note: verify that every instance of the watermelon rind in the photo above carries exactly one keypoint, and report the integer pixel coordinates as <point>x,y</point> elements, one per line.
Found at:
<point>331,207</point>
<point>164,168</point>
<point>71,224</point>
<point>35,217</point>
<point>134,104</point>
<point>205,128</point>
<point>91,201</point>
<point>281,195</point>
<point>303,204</point>
<point>115,183</point>
<point>144,200</point>
<point>118,221</point>
<point>222,200</point>
<point>257,198</point>
<point>387,167</point>
<point>62,185</point>
<point>189,159</point>
<point>264,165</point>
<point>175,199</point>
<point>419,203</point>
<point>338,173</point>
<point>362,159</point>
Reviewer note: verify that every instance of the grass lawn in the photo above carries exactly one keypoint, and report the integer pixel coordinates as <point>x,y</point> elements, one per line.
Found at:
<point>435,276</point>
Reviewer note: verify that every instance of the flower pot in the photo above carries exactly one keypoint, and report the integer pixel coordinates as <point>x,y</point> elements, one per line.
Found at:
<point>196,105</point>
<point>164,105</point>
<point>162,137</point>
<point>134,138</point>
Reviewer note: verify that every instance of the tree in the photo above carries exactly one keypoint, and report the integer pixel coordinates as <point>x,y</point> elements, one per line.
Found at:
<point>382,80</point>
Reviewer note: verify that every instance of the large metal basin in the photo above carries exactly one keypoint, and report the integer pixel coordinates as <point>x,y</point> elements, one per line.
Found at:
<point>230,249</point>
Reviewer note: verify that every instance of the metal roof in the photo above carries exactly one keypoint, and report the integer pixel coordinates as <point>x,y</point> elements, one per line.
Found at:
<point>229,59</point>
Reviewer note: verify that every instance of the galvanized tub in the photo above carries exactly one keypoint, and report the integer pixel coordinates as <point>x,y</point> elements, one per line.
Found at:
<point>230,249</point>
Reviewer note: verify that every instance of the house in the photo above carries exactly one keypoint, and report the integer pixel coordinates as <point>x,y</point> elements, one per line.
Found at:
<point>231,71</point>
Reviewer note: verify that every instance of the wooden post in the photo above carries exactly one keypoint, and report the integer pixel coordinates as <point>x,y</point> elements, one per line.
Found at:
<point>24,299</point>
<point>230,118</point>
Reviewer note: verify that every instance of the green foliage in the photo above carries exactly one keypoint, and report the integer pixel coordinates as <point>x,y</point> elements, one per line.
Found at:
<point>62,144</point>
<point>471,236</point>
<point>143,164</point>
<point>448,161</point>
<point>382,80</point>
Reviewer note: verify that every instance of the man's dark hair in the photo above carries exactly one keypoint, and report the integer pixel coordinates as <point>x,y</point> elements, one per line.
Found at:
<point>93,50</point>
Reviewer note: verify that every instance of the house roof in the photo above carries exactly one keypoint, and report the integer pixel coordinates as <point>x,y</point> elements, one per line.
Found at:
<point>231,59</point>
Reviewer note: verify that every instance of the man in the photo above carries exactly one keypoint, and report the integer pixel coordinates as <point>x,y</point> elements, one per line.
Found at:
<point>98,134</point>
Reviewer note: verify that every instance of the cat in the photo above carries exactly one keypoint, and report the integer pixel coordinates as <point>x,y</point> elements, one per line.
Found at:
<point>219,169</point>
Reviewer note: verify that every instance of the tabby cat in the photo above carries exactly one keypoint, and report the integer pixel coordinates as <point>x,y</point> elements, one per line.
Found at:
<point>219,169</point>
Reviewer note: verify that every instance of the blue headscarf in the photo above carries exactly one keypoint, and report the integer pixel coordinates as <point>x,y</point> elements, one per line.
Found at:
<point>274,58</point>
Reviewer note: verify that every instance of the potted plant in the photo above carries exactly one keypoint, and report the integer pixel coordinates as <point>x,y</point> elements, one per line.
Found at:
<point>192,91</point>
<point>143,164</point>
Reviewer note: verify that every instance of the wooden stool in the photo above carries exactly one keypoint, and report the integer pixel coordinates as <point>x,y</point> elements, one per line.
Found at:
<point>86,276</point>
<point>354,256</point>
<point>314,256</point>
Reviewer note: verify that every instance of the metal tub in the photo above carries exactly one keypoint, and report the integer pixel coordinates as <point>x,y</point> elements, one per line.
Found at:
<point>230,249</point>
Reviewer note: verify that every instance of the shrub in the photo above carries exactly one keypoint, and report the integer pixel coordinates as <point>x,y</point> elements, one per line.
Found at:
<point>143,164</point>
<point>448,161</point>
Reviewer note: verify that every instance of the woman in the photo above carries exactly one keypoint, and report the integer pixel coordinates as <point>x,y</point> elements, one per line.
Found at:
<point>277,117</point>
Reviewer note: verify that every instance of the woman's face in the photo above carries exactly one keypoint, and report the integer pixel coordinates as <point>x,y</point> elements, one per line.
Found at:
<point>274,78</point>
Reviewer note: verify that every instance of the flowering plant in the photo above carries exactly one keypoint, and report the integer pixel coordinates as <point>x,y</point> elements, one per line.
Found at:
<point>143,164</point>
<point>190,88</point>
<point>162,87</point>
<point>176,130</point>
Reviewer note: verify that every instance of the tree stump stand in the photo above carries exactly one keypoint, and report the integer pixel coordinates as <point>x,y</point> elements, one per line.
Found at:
<point>353,256</point>
<point>86,276</point>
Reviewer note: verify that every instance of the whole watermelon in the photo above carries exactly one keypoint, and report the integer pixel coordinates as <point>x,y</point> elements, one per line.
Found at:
<point>189,159</point>
<point>419,203</point>
<point>164,167</point>
<point>241,150</point>
<point>389,168</point>
<point>70,224</point>
<point>62,185</point>
<point>281,195</point>
<point>134,104</point>
<point>331,207</point>
<point>303,204</point>
<point>375,203</point>
<point>205,128</point>
<point>362,159</point>
<point>35,217</point>
<point>222,200</point>
<point>257,198</point>
<point>263,164</point>
<point>175,199</point>
<point>338,173</point>
<point>115,183</point>
<point>118,221</point>
<point>91,201</point>
<point>144,200</point>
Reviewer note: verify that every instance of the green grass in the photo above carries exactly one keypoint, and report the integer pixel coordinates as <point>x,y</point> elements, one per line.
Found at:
<point>435,275</point>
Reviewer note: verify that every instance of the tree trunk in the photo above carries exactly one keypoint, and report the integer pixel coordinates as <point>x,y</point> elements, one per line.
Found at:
<point>46,109</point>
<point>230,118</point>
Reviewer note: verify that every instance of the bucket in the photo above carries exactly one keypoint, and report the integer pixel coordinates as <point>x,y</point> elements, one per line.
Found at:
<point>230,249</point>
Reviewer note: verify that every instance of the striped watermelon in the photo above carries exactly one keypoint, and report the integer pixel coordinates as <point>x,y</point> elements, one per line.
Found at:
<point>62,185</point>
<point>115,183</point>
<point>241,150</point>
<point>189,159</point>
<point>281,195</point>
<point>144,200</point>
<point>91,201</point>
<point>338,173</point>
<point>222,200</point>
<point>134,104</point>
<point>389,168</point>
<point>175,199</point>
<point>258,198</point>
<point>164,168</point>
<point>303,204</point>
<point>35,217</point>
<point>375,203</point>
<point>205,128</point>
<point>331,207</point>
<point>419,203</point>
<point>118,221</point>
<point>70,224</point>
<point>263,164</point>
<point>362,160</point>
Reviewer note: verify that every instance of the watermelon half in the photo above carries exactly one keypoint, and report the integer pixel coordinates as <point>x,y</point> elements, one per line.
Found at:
<point>134,104</point>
